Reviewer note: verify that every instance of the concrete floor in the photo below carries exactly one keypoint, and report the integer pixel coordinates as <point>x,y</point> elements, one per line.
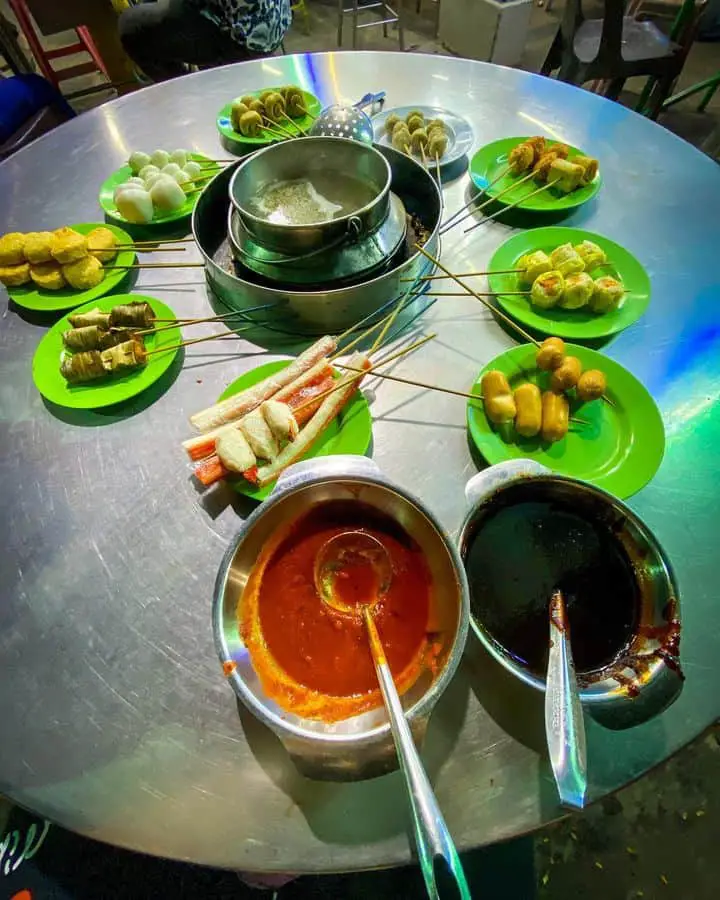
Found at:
<point>656,838</point>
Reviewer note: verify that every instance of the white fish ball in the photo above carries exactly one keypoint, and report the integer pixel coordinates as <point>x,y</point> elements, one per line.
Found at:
<point>138,160</point>
<point>167,195</point>
<point>153,178</point>
<point>192,169</point>
<point>181,177</point>
<point>160,158</point>
<point>171,169</point>
<point>180,157</point>
<point>126,185</point>
<point>136,206</point>
<point>147,170</point>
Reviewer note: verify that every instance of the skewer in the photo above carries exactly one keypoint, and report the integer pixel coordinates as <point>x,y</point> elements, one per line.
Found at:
<point>462,275</point>
<point>181,323</point>
<point>209,337</point>
<point>423,156</point>
<point>295,124</point>
<point>389,320</point>
<point>139,249</point>
<point>493,199</point>
<point>136,245</point>
<point>182,265</point>
<point>543,187</point>
<point>437,168</point>
<point>343,382</point>
<point>281,129</point>
<point>451,221</point>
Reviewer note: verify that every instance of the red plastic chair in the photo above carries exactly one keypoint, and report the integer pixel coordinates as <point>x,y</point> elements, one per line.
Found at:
<point>85,44</point>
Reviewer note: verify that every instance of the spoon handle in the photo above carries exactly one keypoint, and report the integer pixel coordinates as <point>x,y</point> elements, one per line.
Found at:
<point>432,837</point>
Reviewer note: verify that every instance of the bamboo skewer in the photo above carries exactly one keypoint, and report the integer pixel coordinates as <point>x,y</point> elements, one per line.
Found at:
<point>445,226</point>
<point>462,275</point>
<point>139,249</point>
<point>423,156</point>
<point>389,321</point>
<point>276,126</point>
<point>179,265</point>
<point>539,190</point>
<point>490,200</point>
<point>437,168</point>
<point>155,241</point>
<point>180,323</point>
<point>209,337</point>
<point>343,382</point>
<point>295,124</point>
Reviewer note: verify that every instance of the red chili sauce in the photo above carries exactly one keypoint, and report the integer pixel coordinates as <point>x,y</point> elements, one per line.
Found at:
<point>320,648</point>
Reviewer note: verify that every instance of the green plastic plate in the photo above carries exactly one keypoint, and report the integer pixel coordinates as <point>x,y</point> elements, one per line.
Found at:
<point>119,176</point>
<point>619,449</point>
<point>491,159</point>
<point>51,384</point>
<point>312,105</point>
<point>350,432</point>
<point>577,324</point>
<point>32,297</point>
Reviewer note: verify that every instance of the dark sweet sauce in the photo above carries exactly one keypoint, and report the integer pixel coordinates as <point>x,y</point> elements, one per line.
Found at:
<point>521,552</point>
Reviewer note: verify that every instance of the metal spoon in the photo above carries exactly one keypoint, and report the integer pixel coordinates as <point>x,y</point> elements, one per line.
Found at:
<point>564,724</point>
<point>353,572</point>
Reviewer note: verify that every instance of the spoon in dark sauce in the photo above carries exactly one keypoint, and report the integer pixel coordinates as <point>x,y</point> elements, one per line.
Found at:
<point>564,724</point>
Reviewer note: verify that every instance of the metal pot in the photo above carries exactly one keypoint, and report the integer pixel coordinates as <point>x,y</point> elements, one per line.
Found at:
<point>361,746</point>
<point>646,678</point>
<point>317,309</point>
<point>303,158</point>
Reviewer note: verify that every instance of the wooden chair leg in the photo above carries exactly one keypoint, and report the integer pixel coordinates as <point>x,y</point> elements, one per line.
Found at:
<point>553,58</point>
<point>354,23</point>
<point>90,46</point>
<point>400,27</point>
<point>340,22</point>
<point>614,86</point>
<point>660,94</point>
<point>708,96</point>
<point>28,29</point>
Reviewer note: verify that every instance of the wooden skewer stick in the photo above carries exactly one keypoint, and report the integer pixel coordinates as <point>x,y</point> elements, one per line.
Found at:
<point>363,334</point>
<point>462,275</point>
<point>423,156</point>
<point>451,221</point>
<point>294,124</point>
<point>343,382</point>
<point>170,265</point>
<point>499,196</point>
<point>437,168</point>
<point>181,323</point>
<point>139,249</point>
<point>137,245</point>
<point>388,323</point>
<point>209,337</point>
<point>276,126</point>
<point>543,187</point>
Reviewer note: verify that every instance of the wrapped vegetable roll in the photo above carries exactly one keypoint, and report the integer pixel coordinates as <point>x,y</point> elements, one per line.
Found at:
<point>547,290</point>
<point>234,451</point>
<point>123,357</point>
<point>138,314</point>
<point>534,265</point>
<point>564,175</point>
<point>86,338</point>
<point>607,295</point>
<point>579,288</point>
<point>93,317</point>
<point>592,255</point>
<point>589,167</point>
<point>280,420</point>
<point>566,259</point>
<point>521,158</point>
<point>82,367</point>
<point>257,106</point>
<point>295,103</point>
<point>257,432</point>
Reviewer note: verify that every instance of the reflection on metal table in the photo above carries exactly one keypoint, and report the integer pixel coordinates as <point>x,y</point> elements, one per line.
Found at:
<point>117,721</point>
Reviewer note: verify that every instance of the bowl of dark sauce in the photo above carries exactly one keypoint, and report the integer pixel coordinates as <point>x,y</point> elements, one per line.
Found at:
<point>528,533</point>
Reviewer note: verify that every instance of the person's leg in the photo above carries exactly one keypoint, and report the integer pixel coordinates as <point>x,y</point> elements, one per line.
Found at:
<point>161,36</point>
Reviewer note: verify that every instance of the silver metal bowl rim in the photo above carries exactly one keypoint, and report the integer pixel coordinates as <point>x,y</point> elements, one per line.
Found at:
<point>493,647</point>
<point>379,198</point>
<point>424,706</point>
<point>283,292</point>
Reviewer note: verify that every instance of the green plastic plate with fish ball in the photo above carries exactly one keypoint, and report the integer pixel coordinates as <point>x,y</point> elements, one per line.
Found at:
<point>576,324</point>
<point>617,446</point>
<point>348,433</point>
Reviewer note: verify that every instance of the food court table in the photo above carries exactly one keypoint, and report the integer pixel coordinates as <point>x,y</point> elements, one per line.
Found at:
<point>116,720</point>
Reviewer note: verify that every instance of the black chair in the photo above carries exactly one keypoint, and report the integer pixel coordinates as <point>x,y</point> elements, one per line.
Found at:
<point>618,47</point>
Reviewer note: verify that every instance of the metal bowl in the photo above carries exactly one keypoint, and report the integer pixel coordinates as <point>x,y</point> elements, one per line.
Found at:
<point>305,158</point>
<point>332,267</point>
<point>317,308</point>
<point>361,746</point>
<point>645,678</point>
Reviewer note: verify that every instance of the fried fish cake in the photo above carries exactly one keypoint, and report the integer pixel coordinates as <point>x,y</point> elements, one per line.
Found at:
<point>101,244</point>
<point>84,274</point>
<point>68,246</point>
<point>38,247</point>
<point>48,276</point>
<point>14,276</point>
<point>12,249</point>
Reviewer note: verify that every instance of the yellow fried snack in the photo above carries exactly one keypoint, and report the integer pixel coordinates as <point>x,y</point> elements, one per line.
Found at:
<point>101,244</point>
<point>48,276</point>
<point>12,248</point>
<point>68,246</point>
<point>84,274</point>
<point>38,247</point>
<point>14,276</point>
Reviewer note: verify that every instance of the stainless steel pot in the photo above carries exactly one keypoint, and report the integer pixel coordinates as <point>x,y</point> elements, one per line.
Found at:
<point>647,677</point>
<point>317,309</point>
<point>362,746</point>
<point>304,158</point>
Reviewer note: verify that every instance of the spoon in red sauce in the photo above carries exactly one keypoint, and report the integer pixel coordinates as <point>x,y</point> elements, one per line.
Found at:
<point>353,571</point>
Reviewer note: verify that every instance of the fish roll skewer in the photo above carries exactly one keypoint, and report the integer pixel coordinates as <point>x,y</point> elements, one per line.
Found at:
<point>564,175</point>
<point>566,260</point>
<point>588,165</point>
<point>92,317</point>
<point>533,265</point>
<point>547,290</point>
<point>234,451</point>
<point>579,288</point>
<point>138,314</point>
<point>607,295</point>
<point>592,255</point>
<point>124,357</point>
<point>280,420</point>
<point>259,436</point>
<point>80,368</point>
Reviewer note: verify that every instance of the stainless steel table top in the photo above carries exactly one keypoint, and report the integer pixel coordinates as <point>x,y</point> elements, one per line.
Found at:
<point>115,719</point>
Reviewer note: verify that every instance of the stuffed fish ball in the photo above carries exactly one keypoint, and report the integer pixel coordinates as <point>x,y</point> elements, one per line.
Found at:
<point>38,247</point>
<point>167,195</point>
<point>566,260</point>
<point>148,170</point>
<point>192,170</point>
<point>390,123</point>
<point>607,294</point>
<point>579,288</point>
<point>138,160</point>
<point>534,265</point>
<point>592,255</point>
<point>136,206</point>
<point>84,274</point>
<point>171,169</point>
<point>547,289</point>
<point>179,157</point>
<point>159,158</point>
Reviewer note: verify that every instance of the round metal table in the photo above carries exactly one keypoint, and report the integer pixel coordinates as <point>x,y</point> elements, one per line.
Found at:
<point>116,720</point>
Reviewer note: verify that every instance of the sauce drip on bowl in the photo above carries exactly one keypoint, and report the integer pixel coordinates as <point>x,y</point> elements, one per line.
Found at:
<point>311,657</point>
<point>521,553</point>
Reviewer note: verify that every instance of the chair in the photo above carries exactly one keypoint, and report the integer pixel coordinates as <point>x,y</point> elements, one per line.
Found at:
<point>618,47</point>
<point>29,106</point>
<point>44,57</point>
<point>387,11</point>
<point>301,7</point>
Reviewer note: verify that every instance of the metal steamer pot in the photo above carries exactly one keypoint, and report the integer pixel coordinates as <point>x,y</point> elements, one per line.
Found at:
<point>318,308</point>
<point>646,677</point>
<point>361,746</point>
<point>303,158</point>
